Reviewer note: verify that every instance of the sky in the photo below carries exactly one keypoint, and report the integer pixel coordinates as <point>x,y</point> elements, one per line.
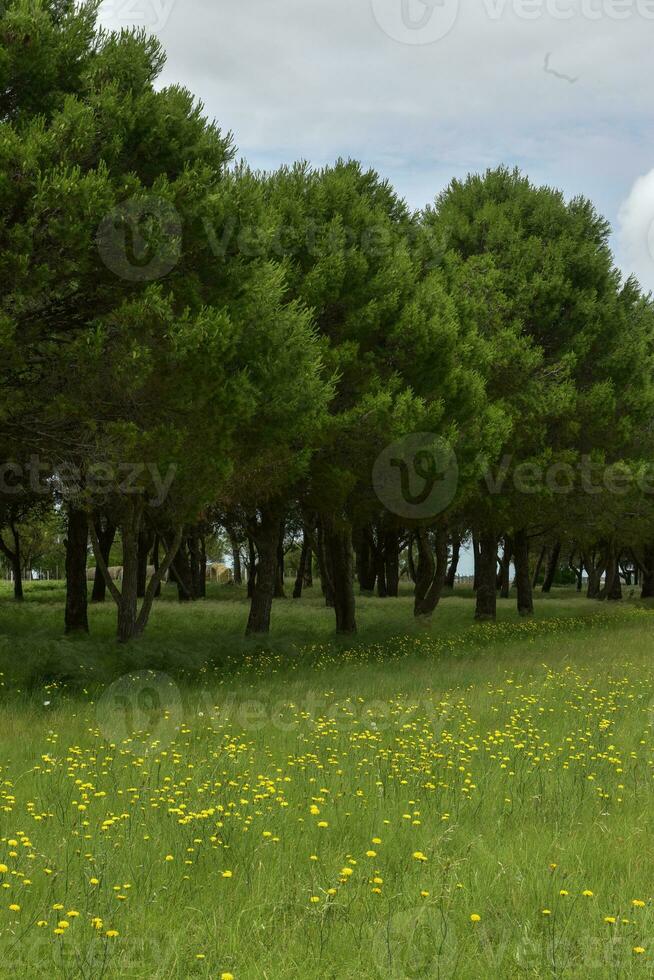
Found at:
<point>428,90</point>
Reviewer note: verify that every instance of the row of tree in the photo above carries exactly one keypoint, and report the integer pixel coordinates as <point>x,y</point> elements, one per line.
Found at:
<point>187,344</point>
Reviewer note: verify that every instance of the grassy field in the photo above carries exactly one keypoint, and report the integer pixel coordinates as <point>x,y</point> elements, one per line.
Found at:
<point>447,800</point>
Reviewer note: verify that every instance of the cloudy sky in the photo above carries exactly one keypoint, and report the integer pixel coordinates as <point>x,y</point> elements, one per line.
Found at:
<point>424,91</point>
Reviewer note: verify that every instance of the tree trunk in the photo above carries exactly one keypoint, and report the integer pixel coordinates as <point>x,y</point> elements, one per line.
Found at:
<point>106,536</point>
<point>411,564</point>
<point>552,567</point>
<point>155,563</point>
<point>252,567</point>
<point>268,531</point>
<point>612,588</point>
<point>338,548</point>
<point>475,556</point>
<point>76,615</point>
<point>308,568</point>
<point>392,563</point>
<point>130,526</point>
<point>486,576</point>
<point>145,542</point>
<point>539,565</point>
<point>430,572</point>
<point>15,561</point>
<point>366,561</point>
<point>647,569</point>
<point>301,568</point>
<point>182,573</point>
<point>323,566</point>
<point>279,576</point>
<point>450,580</point>
<point>504,574</point>
<point>594,572</point>
<point>522,577</point>
<point>236,556</point>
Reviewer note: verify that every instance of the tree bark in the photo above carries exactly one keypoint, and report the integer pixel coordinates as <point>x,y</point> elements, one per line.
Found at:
<point>552,567</point>
<point>145,542</point>
<point>76,614</point>
<point>279,576</point>
<point>130,527</point>
<point>236,556</point>
<point>366,560</point>
<point>522,577</point>
<point>539,565</point>
<point>504,574</point>
<point>106,536</point>
<point>14,559</point>
<point>338,548</point>
<point>486,576</point>
<point>301,568</point>
<point>430,572</point>
<point>392,563</point>
<point>267,532</point>
<point>252,567</point>
<point>308,568</point>
<point>450,580</point>
<point>323,566</point>
<point>647,568</point>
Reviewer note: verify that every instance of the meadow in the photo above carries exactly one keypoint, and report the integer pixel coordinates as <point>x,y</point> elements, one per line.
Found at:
<point>443,801</point>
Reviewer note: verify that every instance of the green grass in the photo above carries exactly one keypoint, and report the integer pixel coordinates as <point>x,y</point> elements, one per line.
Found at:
<point>517,759</point>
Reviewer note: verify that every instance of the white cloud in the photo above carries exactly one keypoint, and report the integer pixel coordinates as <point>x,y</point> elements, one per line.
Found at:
<point>315,79</point>
<point>636,231</point>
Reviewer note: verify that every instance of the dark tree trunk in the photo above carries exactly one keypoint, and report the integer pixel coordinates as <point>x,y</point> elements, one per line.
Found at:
<point>236,557</point>
<point>450,579</point>
<point>301,568</point>
<point>380,567</point>
<point>308,568</point>
<point>339,554</point>
<point>128,606</point>
<point>430,572</point>
<point>475,557</point>
<point>411,564</point>
<point>504,574</point>
<point>155,564</point>
<point>194,557</point>
<point>252,567</point>
<point>552,567</point>
<point>612,588</point>
<point>145,542</point>
<point>594,572</point>
<point>182,573</point>
<point>366,560</point>
<point>15,560</point>
<point>268,530</point>
<point>203,566</point>
<point>392,563</point>
<point>106,536</point>
<point>486,576</point>
<point>279,576</point>
<point>647,568</point>
<point>76,615</point>
<point>539,565</point>
<point>522,577</point>
<point>324,566</point>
